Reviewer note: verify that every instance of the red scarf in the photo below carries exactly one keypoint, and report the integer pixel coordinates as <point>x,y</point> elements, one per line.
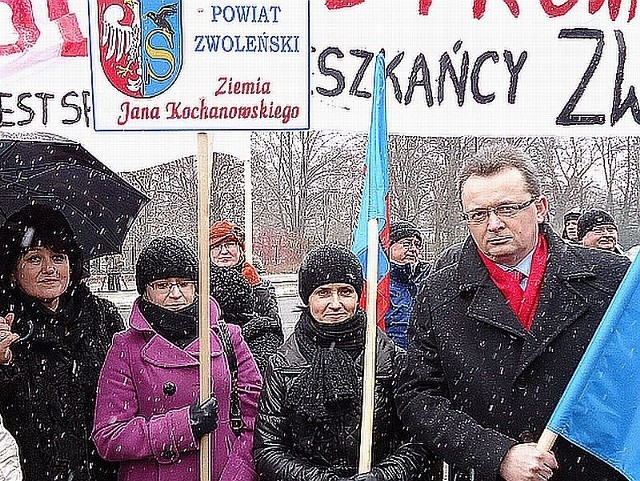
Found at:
<point>522,303</point>
<point>250,273</point>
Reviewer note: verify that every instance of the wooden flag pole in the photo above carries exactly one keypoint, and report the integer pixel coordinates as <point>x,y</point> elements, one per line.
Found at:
<point>204,173</point>
<point>248,212</point>
<point>547,440</point>
<point>369,376</point>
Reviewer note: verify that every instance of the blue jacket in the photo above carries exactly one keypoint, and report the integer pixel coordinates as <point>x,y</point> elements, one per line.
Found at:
<point>403,288</point>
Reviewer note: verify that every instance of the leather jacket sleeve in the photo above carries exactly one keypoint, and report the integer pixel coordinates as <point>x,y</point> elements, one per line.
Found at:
<point>410,460</point>
<point>273,454</point>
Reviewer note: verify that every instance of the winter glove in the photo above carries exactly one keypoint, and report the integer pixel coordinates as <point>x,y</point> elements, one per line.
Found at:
<point>204,417</point>
<point>363,477</point>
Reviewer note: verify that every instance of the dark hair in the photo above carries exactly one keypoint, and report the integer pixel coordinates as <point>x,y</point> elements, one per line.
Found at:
<point>494,159</point>
<point>37,226</point>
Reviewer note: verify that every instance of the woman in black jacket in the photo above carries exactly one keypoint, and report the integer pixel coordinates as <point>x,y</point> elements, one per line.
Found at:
<point>48,379</point>
<point>308,426</point>
<point>262,329</point>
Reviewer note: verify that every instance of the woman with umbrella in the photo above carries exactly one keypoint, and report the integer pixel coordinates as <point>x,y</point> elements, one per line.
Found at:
<point>148,414</point>
<point>310,409</point>
<point>55,338</point>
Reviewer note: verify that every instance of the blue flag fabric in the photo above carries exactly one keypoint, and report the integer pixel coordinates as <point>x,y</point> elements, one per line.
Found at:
<point>375,194</point>
<point>600,408</point>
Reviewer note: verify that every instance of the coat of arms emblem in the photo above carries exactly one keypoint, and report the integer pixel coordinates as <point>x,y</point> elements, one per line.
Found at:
<point>140,44</point>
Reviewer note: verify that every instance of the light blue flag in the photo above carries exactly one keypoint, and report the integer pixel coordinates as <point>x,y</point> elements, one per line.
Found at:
<point>600,408</point>
<point>375,194</point>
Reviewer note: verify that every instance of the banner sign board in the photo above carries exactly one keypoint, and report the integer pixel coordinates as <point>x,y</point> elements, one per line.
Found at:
<point>199,65</point>
<point>470,67</point>
<point>481,67</point>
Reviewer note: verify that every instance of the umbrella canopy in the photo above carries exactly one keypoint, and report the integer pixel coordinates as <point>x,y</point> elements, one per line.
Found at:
<point>99,205</point>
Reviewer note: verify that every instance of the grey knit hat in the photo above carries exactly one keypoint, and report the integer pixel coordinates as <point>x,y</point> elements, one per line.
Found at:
<point>165,257</point>
<point>571,215</point>
<point>401,228</point>
<point>328,264</point>
<point>591,219</point>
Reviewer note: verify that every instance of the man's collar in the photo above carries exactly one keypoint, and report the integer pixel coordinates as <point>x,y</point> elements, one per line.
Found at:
<point>524,266</point>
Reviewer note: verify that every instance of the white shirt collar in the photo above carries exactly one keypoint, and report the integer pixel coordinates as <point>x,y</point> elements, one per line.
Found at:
<point>524,266</point>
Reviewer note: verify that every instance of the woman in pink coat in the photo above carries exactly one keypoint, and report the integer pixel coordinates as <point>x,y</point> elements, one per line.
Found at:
<point>148,416</point>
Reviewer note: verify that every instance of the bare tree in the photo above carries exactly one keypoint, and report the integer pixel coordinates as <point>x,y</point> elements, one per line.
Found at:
<point>567,166</point>
<point>307,188</point>
<point>227,189</point>
<point>298,174</point>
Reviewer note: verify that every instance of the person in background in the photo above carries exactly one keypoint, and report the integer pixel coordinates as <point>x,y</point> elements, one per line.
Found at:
<point>597,229</point>
<point>496,335</point>
<point>226,243</point>
<point>308,425</point>
<point>570,229</point>
<point>235,296</point>
<point>56,335</point>
<point>407,273</point>
<point>149,417</point>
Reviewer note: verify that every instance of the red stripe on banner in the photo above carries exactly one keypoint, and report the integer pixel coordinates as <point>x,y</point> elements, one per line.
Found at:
<point>335,4</point>
<point>423,7</point>
<point>383,302</point>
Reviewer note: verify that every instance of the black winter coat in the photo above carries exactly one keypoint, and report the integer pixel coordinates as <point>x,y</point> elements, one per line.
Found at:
<point>263,331</point>
<point>47,392</point>
<point>477,382</point>
<point>286,449</point>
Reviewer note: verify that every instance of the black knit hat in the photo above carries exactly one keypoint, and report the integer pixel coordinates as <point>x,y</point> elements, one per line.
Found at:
<point>329,264</point>
<point>591,219</point>
<point>571,215</point>
<point>165,257</point>
<point>232,291</point>
<point>34,226</point>
<point>400,229</point>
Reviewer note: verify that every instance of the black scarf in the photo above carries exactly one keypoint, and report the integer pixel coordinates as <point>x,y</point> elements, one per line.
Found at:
<point>39,324</point>
<point>59,347</point>
<point>178,327</point>
<point>329,388</point>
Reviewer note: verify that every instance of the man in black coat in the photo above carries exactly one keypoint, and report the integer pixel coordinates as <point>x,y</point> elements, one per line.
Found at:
<point>497,333</point>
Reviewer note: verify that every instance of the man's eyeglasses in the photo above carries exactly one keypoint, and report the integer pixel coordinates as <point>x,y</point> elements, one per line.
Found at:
<point>479,216</point>
<point>166,286</point>
<point>228,246</point>
<point>604,229</point>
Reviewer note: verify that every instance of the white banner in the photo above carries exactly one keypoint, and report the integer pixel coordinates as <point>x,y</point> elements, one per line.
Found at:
<point>521,69</point>
<point>198,65</point>
<point>470,67</point>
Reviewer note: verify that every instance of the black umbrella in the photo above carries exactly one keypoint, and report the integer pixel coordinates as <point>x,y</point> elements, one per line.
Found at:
<point>99,205</point>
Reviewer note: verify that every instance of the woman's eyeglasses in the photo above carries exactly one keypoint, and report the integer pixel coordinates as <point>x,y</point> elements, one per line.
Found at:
<point>166,286</point>
<point>604,229</point>
<point>228,246</point>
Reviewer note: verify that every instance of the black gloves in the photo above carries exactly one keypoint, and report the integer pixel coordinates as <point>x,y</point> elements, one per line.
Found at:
<point>203,417</point>
<point>363,477</point>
